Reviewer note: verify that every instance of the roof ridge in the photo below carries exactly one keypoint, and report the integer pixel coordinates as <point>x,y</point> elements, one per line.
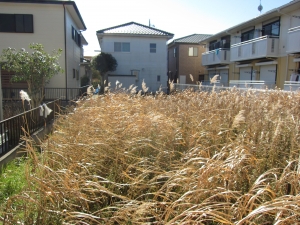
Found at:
<point>134,23</point>
<point>189,36</point>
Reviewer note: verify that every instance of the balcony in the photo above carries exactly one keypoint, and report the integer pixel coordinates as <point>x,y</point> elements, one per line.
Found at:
<point>293,43</point>
<point>217,56</point>
<point>254,84</point>
<point>291,86</point>
<point>265,46</point>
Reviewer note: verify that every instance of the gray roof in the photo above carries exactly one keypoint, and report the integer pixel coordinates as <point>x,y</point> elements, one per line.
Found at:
<point>134,28</point>
<point>193,38</point>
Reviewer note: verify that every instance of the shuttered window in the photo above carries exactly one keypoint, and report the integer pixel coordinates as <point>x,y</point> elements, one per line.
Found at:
<point>18,23</point>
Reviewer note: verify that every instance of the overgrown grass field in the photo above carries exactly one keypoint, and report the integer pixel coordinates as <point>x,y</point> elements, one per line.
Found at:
<point>226,157</point>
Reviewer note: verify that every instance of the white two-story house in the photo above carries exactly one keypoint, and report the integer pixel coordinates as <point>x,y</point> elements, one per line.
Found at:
<point>264,50</point>
<point>141,54</point>
<point>54,24</point>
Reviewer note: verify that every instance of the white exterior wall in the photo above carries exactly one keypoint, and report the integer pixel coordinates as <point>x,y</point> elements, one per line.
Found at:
<point>286,22</point>
<point>150,65</point>
<point>48,30</point>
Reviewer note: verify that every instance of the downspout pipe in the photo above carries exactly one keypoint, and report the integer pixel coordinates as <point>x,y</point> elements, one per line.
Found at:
<point>66,62</point>
<point>287,57</point>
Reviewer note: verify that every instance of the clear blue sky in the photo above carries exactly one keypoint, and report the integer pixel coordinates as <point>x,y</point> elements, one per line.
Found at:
<point>180,17</point>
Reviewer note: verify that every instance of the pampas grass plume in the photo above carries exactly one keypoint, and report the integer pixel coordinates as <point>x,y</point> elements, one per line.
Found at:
<point>192,78</point>
<point>24,96</point>
<point>239,119</point>
<point>214,79</point>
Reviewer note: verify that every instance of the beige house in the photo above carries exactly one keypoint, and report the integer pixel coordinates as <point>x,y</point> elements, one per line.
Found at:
<point>54,24</point>
<point>261,52</point>
<point>184,58</point>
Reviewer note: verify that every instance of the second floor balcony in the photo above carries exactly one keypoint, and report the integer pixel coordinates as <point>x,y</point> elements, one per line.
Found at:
<point>265,46</point>
<point>293,43</point>
<point>217,56</point>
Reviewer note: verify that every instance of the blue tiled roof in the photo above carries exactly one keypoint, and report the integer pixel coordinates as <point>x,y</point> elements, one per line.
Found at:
<point>134,28</point>
<point>194,38</point>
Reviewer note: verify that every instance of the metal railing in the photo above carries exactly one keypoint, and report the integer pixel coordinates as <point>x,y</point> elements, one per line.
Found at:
<point>292,86</point>
<point>217,88</point>
<point>255,84</point>
<point>50,93</point>
<point>13,128</point>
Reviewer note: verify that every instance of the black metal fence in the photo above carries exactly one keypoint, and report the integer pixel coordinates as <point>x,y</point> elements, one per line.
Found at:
<point>65,94</point>
<point>12,129</point>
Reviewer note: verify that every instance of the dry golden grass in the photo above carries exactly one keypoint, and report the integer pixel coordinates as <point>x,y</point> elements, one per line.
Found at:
<point>186,158</point>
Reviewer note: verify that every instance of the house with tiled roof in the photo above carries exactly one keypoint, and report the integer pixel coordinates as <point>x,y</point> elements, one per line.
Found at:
<point>54,24</point>
<point>141,53</point>
<point>184,58</point>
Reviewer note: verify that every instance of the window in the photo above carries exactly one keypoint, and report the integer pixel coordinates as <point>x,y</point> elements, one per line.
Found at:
<point>18,23</point>
<point>246,36</point>
<point>213,45</point>
<point>225,41</point>
<point>122,47</point>
<point>271,29</point>
<point>152,48</point>
<point>74,73</point>
<point>158,78</point>
<point>175,52</point>
<point>136,74</point>
<point>201,77</point>
<point>76,36</point>
<point>193,51</point>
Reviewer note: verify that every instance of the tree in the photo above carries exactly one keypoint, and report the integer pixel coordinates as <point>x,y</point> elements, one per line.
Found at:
<point>36,68</point>
<point>104,62</point>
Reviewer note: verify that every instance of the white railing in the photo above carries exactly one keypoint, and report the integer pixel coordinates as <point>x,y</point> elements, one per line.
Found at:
<point>265,46</point>
<point>201,87</point>
<point>209,88</point>
<point>291,86</point>
<point>217,56</point>
<point>255,84</point>
<point>293,37</point>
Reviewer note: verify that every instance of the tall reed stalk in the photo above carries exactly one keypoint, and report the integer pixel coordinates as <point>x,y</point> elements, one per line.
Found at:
<point>225,157</point>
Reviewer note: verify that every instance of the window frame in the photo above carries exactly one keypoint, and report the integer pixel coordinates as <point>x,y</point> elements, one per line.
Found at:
<point>153,48</point>
<point>158,78</point>
<point>194,52</point>
<point>122,47</point>
<point>17,23</point>
<point>245,36</point>
<point>76,36</point>
<point>270,24</point>
<point>175,52</point>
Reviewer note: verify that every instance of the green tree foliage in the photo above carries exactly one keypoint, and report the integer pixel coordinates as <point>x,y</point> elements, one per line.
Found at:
<point>104,62</point>
<point>36,67</point>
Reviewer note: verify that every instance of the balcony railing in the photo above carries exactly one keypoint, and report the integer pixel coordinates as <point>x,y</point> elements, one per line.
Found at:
<point>293,43</point>
<point>265,46</point>
<point>218,56</point>
<point>50,93</point>
<point>291,86</point>
<point>30,121</point>
<point>255,84</point>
